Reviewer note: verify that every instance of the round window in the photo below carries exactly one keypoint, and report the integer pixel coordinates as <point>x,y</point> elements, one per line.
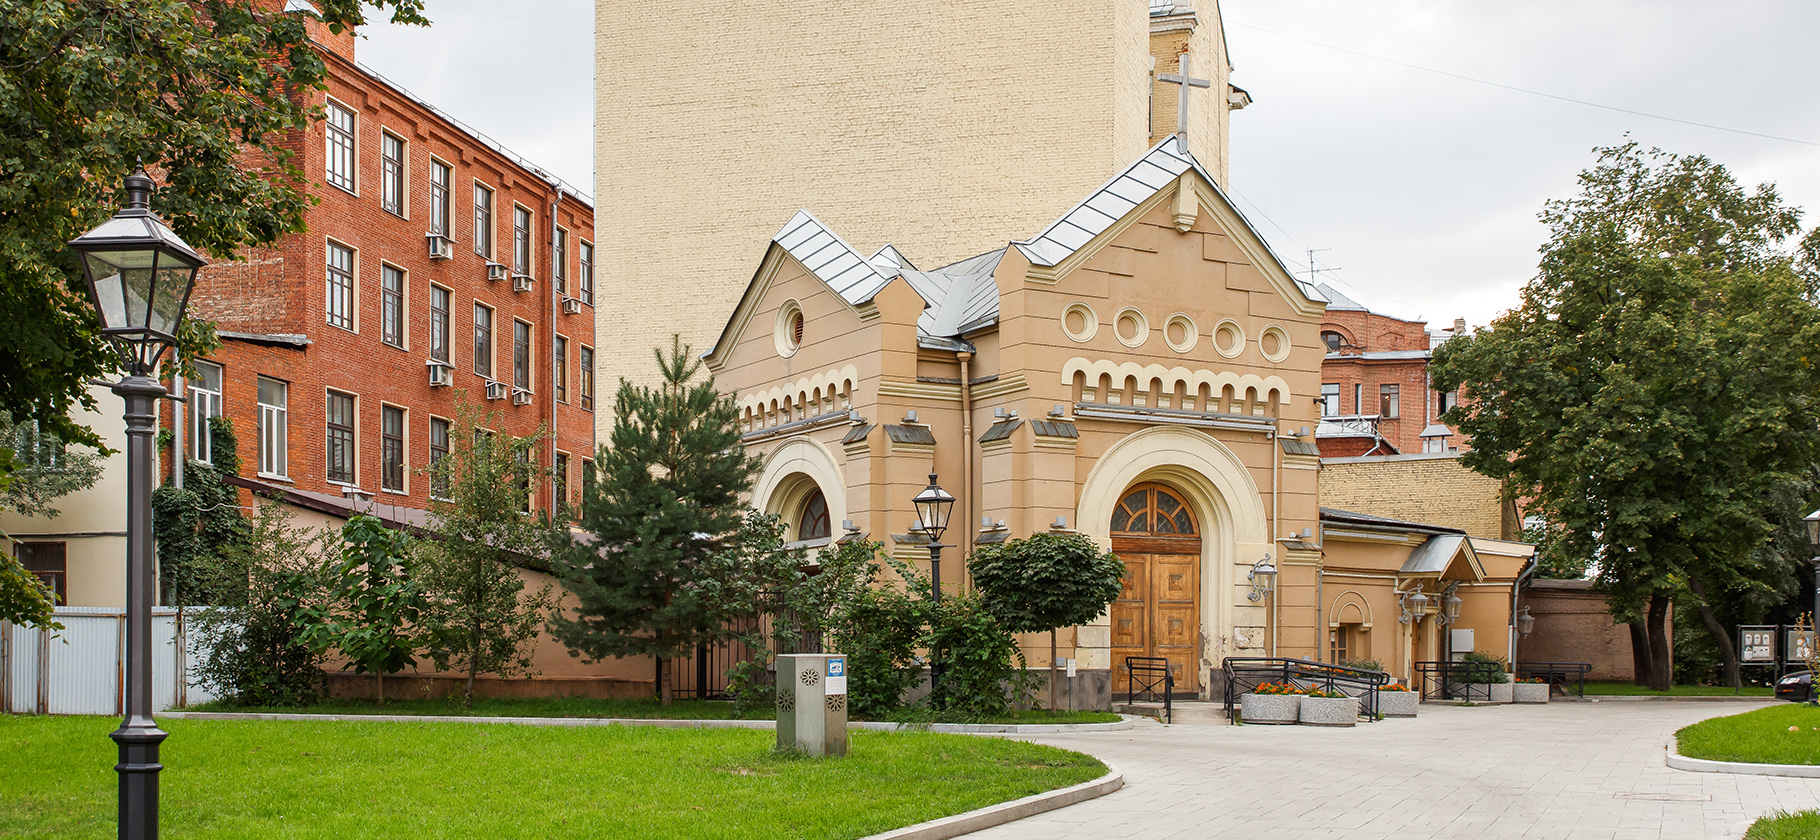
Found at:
<point>1180,333</point>
<point>1229,338</point>
<point>788,333</point>
<point>1080,322</point>
<point>1274,343</point>
<point>1131,327</point>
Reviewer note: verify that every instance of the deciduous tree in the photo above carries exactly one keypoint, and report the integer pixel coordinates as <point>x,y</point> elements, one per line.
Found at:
<point>1046,581</point>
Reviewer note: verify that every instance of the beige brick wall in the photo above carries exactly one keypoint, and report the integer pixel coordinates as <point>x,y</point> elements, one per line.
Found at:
<point>1436,490</point>
<point>943,128</point>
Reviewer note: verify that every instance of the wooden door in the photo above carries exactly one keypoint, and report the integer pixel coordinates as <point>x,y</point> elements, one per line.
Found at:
<point>1158,609</point>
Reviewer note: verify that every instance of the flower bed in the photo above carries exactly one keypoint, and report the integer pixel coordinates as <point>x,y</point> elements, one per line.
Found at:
<point>1398,701</point>
<point>1272,703</point>
<point>1329,708</point>
<point>1530,690</point>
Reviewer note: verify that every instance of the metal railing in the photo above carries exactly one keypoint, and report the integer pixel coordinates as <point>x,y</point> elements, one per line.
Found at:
<point>703,676</point>
<point>1558,675</point>
<point>1244,674</point>
<point>1460,680</point>
<point>1149,677</point>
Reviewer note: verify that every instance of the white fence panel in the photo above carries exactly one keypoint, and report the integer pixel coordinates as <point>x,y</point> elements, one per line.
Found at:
<point>79,670</point>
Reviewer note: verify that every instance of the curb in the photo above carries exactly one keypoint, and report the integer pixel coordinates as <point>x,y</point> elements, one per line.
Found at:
<point>680,723</point>
<point>1012,811</point>
<point>1741,768</point>
<point>1654,698</point>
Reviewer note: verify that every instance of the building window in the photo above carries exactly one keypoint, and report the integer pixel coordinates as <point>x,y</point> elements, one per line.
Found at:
<point>439,449</point>
<point>1447,400</point>
<point>521,355</point>
<point>521,240</point>
<point>1341,643</point>
<point>341,437</point>
<point>587,476</point>
<point>340,300</point>
<point>1387,401</point>
<point>49,563</point>
<point>527,468</point>
<point>1333,340</point>
<point>560,480</point>
<point>558,266</point>
<point>586,279</point>
<point>391,448</point>
<point>587,378</point>
<point>483,221</point>
<point>483,341</point>
<point>1358,398</point>
<point>391,305</point>
<point>439,324</point>
<point>1330,398</point>
<point>36,449</point>
<point>391,174</point>
<point>205,402</point>
<point>561,366</point>
<point>274,427</point>
<point>439,198</point>
<point>813,524</point>
<point>340,166</point>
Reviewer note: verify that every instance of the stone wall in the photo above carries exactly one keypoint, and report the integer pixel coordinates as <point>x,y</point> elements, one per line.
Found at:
<point>1573,625</point>
<point>1435,489</point>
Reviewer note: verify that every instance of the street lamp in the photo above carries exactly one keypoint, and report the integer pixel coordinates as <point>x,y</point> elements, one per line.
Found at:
<point>1526,623</point>
<point>139,278</point>
<point>933,506</point>
<point>1263,577</point>
<point>1812,521</point>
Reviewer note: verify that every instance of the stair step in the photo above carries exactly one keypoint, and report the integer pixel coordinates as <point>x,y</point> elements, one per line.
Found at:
<point>1183,711</point>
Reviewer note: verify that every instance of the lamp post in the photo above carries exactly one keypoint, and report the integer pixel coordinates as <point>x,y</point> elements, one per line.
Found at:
<point>1812,521</point>
<point>933,506</point>
<point>140,274</point>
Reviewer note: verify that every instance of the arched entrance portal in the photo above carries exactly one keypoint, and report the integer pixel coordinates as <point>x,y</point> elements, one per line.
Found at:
<point>1158,611</point>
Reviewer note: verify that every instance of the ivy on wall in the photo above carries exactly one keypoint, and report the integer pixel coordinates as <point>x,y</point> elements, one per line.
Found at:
<point>196,525</point>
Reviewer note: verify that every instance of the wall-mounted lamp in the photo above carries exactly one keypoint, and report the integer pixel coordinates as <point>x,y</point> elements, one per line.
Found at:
<point>1263,577</point>
<point>1414,605</point>
<point>1525,623</point>
<point>1061,524</point>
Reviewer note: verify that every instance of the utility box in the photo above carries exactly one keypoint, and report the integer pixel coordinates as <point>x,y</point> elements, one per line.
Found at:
<point>812,703</point>
<point>1459,641</point>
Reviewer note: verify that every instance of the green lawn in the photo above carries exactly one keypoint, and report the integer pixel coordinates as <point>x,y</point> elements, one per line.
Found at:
<point>1628,689</point>
<point>1804,825</point>
<point>595,708</point>
<point>1760,736</point>
<point>258,779</point>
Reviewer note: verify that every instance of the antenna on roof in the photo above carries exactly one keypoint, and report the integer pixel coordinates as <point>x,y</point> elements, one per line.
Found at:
<point>1312,271</point>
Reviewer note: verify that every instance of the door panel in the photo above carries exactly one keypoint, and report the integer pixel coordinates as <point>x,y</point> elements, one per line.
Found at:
<point>1158,614</point>
<point>1130,619</point>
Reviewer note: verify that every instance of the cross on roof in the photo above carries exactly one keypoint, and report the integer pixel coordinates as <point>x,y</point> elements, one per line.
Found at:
<point>1186,80</point>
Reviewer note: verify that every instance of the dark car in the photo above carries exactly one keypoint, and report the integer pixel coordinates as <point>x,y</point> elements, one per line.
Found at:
<point>1797,687</point>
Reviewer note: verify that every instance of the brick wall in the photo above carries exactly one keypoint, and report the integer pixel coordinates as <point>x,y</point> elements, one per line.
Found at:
<point>1435,489</point>
<point>1573,625</point>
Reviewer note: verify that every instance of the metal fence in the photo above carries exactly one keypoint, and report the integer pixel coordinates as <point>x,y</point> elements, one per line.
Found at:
<point>1459,680</point>
<point>703,676</point>
<point>1245,673</point>
<point>78,670</point>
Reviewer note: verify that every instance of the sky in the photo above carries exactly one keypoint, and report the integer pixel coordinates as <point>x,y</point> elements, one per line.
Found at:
<point>1414,142</point>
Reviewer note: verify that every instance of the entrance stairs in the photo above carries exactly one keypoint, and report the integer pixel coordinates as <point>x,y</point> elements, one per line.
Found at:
<point>1185,711</point>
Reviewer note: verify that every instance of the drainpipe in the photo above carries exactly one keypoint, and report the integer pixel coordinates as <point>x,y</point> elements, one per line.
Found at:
<point>179,456</point>
<point>555,310</point>
<point>967,503</point>
<point>1516,594</point>
<point>1276,483</point>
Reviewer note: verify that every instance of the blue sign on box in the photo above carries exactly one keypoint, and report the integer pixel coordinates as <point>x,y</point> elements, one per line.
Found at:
<point>837,675</point>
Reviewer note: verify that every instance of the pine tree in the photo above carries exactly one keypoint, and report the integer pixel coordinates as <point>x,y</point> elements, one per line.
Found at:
<point>665,516</point>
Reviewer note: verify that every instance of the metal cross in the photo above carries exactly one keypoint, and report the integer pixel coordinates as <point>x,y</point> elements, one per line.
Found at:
<point>1186,80</point>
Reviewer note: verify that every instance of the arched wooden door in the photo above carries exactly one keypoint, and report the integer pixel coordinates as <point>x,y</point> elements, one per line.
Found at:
<point>1158,612</point>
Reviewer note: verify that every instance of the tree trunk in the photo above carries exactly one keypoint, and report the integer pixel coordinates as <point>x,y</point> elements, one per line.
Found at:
<point>1639,652</point>
<point>663,685</point>
<point>1052,703</point>
<point>381,687</point>
<point>467,696</point>
<point>1661,655</point>
<point>1728,655</point>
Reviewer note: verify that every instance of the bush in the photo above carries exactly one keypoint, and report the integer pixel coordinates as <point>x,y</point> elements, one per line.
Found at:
<point>1362,664</point>
<point>1486,669</point>
<point>254,647</point>
<point>878,631</point>
<point>982,665</point>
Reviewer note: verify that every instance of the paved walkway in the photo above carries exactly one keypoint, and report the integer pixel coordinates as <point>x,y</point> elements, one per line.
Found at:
<point>1564,771</point>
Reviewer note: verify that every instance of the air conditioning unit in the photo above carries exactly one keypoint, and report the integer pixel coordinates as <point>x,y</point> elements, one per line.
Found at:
<point>521,282</point>
<point>570,306</point>
<point>497,390</point>
<point>442,374</point>
<point>440,246</point>
<point>496,271</point>
<point>521,396</point>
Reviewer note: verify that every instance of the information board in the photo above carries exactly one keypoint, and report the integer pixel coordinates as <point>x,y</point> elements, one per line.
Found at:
<point>837,675</point>
<point>1756,644</point>
<point>1797,641</point>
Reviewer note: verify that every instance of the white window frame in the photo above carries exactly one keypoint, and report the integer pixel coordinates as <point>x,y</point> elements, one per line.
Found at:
<point>484,229</point>
<point>274,431</point>
<point>442,200</point>
<point>404,307</point>
<point>341,145</point>
<point>204,404</point>
<point>403,181</point>
<point>404,449</point>
<point>351,305</point>
<point>353,426</point>
<point>524,246</point>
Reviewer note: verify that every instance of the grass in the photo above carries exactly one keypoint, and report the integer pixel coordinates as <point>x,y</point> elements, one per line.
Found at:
<point>1803,825</point>
<point>261,779</point>
<point>1762,736</point>
<point>643,708</point>
<point>1631,690</point>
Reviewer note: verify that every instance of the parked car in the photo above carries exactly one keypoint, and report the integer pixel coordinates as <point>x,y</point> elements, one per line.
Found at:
<point>1797,687</point>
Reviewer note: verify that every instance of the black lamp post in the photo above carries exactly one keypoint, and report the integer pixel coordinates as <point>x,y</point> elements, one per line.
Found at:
<point>1812,521</point>
<point>139,278</point>
<point>933,506</point>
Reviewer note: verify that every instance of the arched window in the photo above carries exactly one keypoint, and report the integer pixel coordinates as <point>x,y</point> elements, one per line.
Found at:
<point>1333,340</point>
<point>1152,510</point>
<point>814,522</point>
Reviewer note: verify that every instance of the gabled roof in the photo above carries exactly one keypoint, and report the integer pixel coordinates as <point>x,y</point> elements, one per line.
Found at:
<point>889,261</point>
<point>1447,556</point>
<point>1153,172</point>
<point>961,297</point>
<point>830,258</point>
<point>1336,301</point>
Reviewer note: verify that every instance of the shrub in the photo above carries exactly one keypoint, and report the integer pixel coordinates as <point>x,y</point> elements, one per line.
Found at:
<point>1485,669</point>
<point>1362,664</point>
<point>1273,688</point>
<point>255,651</point>
<point>878,629</point>
<point>982,665</point>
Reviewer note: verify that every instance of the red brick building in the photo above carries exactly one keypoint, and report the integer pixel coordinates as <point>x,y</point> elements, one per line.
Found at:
<point>1375,394</point>
<point>436,266</point>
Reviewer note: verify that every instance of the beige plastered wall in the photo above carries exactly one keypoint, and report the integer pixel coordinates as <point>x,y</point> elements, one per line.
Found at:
<point>1433,489</point>
<point>91,522</point>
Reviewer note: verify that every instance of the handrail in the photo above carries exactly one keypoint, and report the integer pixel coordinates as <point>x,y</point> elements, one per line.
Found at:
<point>1156,673</point>
<point>1558,674</point>
<point>1244,673</point>
<point>1458,680</point>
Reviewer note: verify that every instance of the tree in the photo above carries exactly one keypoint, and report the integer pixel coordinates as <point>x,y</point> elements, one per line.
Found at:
<point>478,619</point>
<point>1655,388</point>
<point>255,646</point>
<point>374,612</point>
<point>663,513</point>
<point>1045,582</point>
<point>206,93</point>
<point>35,469</point>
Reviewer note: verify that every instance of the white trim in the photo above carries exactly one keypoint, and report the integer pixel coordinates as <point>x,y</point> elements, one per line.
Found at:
<point>1143,327</point>
<point>1092,318</point>
<point>1238,346</point>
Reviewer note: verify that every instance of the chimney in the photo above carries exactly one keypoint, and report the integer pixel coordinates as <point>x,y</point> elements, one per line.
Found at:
<point>1459,326</point>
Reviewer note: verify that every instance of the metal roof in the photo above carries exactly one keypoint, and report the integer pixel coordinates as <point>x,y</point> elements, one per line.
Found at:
<point>1000,430</point>
<point>1336,301</point>
<point>1436,555</point>
<point>830,258</point>
<point>961,297</point>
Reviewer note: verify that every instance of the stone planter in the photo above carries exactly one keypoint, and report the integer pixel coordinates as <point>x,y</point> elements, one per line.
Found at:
<point>1500,692</point>
<point>1531,692</point>
<point>1269,708</point>
<point>1398,703</point>
<point>1330,711</point>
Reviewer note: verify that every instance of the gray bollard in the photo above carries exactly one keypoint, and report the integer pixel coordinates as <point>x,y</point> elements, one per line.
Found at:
<point>812,703</point>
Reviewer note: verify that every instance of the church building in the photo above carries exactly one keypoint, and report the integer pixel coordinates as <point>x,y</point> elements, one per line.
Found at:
<point>1142,370</point>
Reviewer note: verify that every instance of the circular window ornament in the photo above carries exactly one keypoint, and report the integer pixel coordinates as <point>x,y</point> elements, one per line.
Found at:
<point>1131,327</point>
<point>789,330</point>
<point>1180,333</point>
<point>1229,338</point>
<point>1080,322</point>
<point>1274,343</point>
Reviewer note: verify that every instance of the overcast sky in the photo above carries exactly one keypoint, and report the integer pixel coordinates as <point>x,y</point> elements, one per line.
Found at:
<point>1423,185</point>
